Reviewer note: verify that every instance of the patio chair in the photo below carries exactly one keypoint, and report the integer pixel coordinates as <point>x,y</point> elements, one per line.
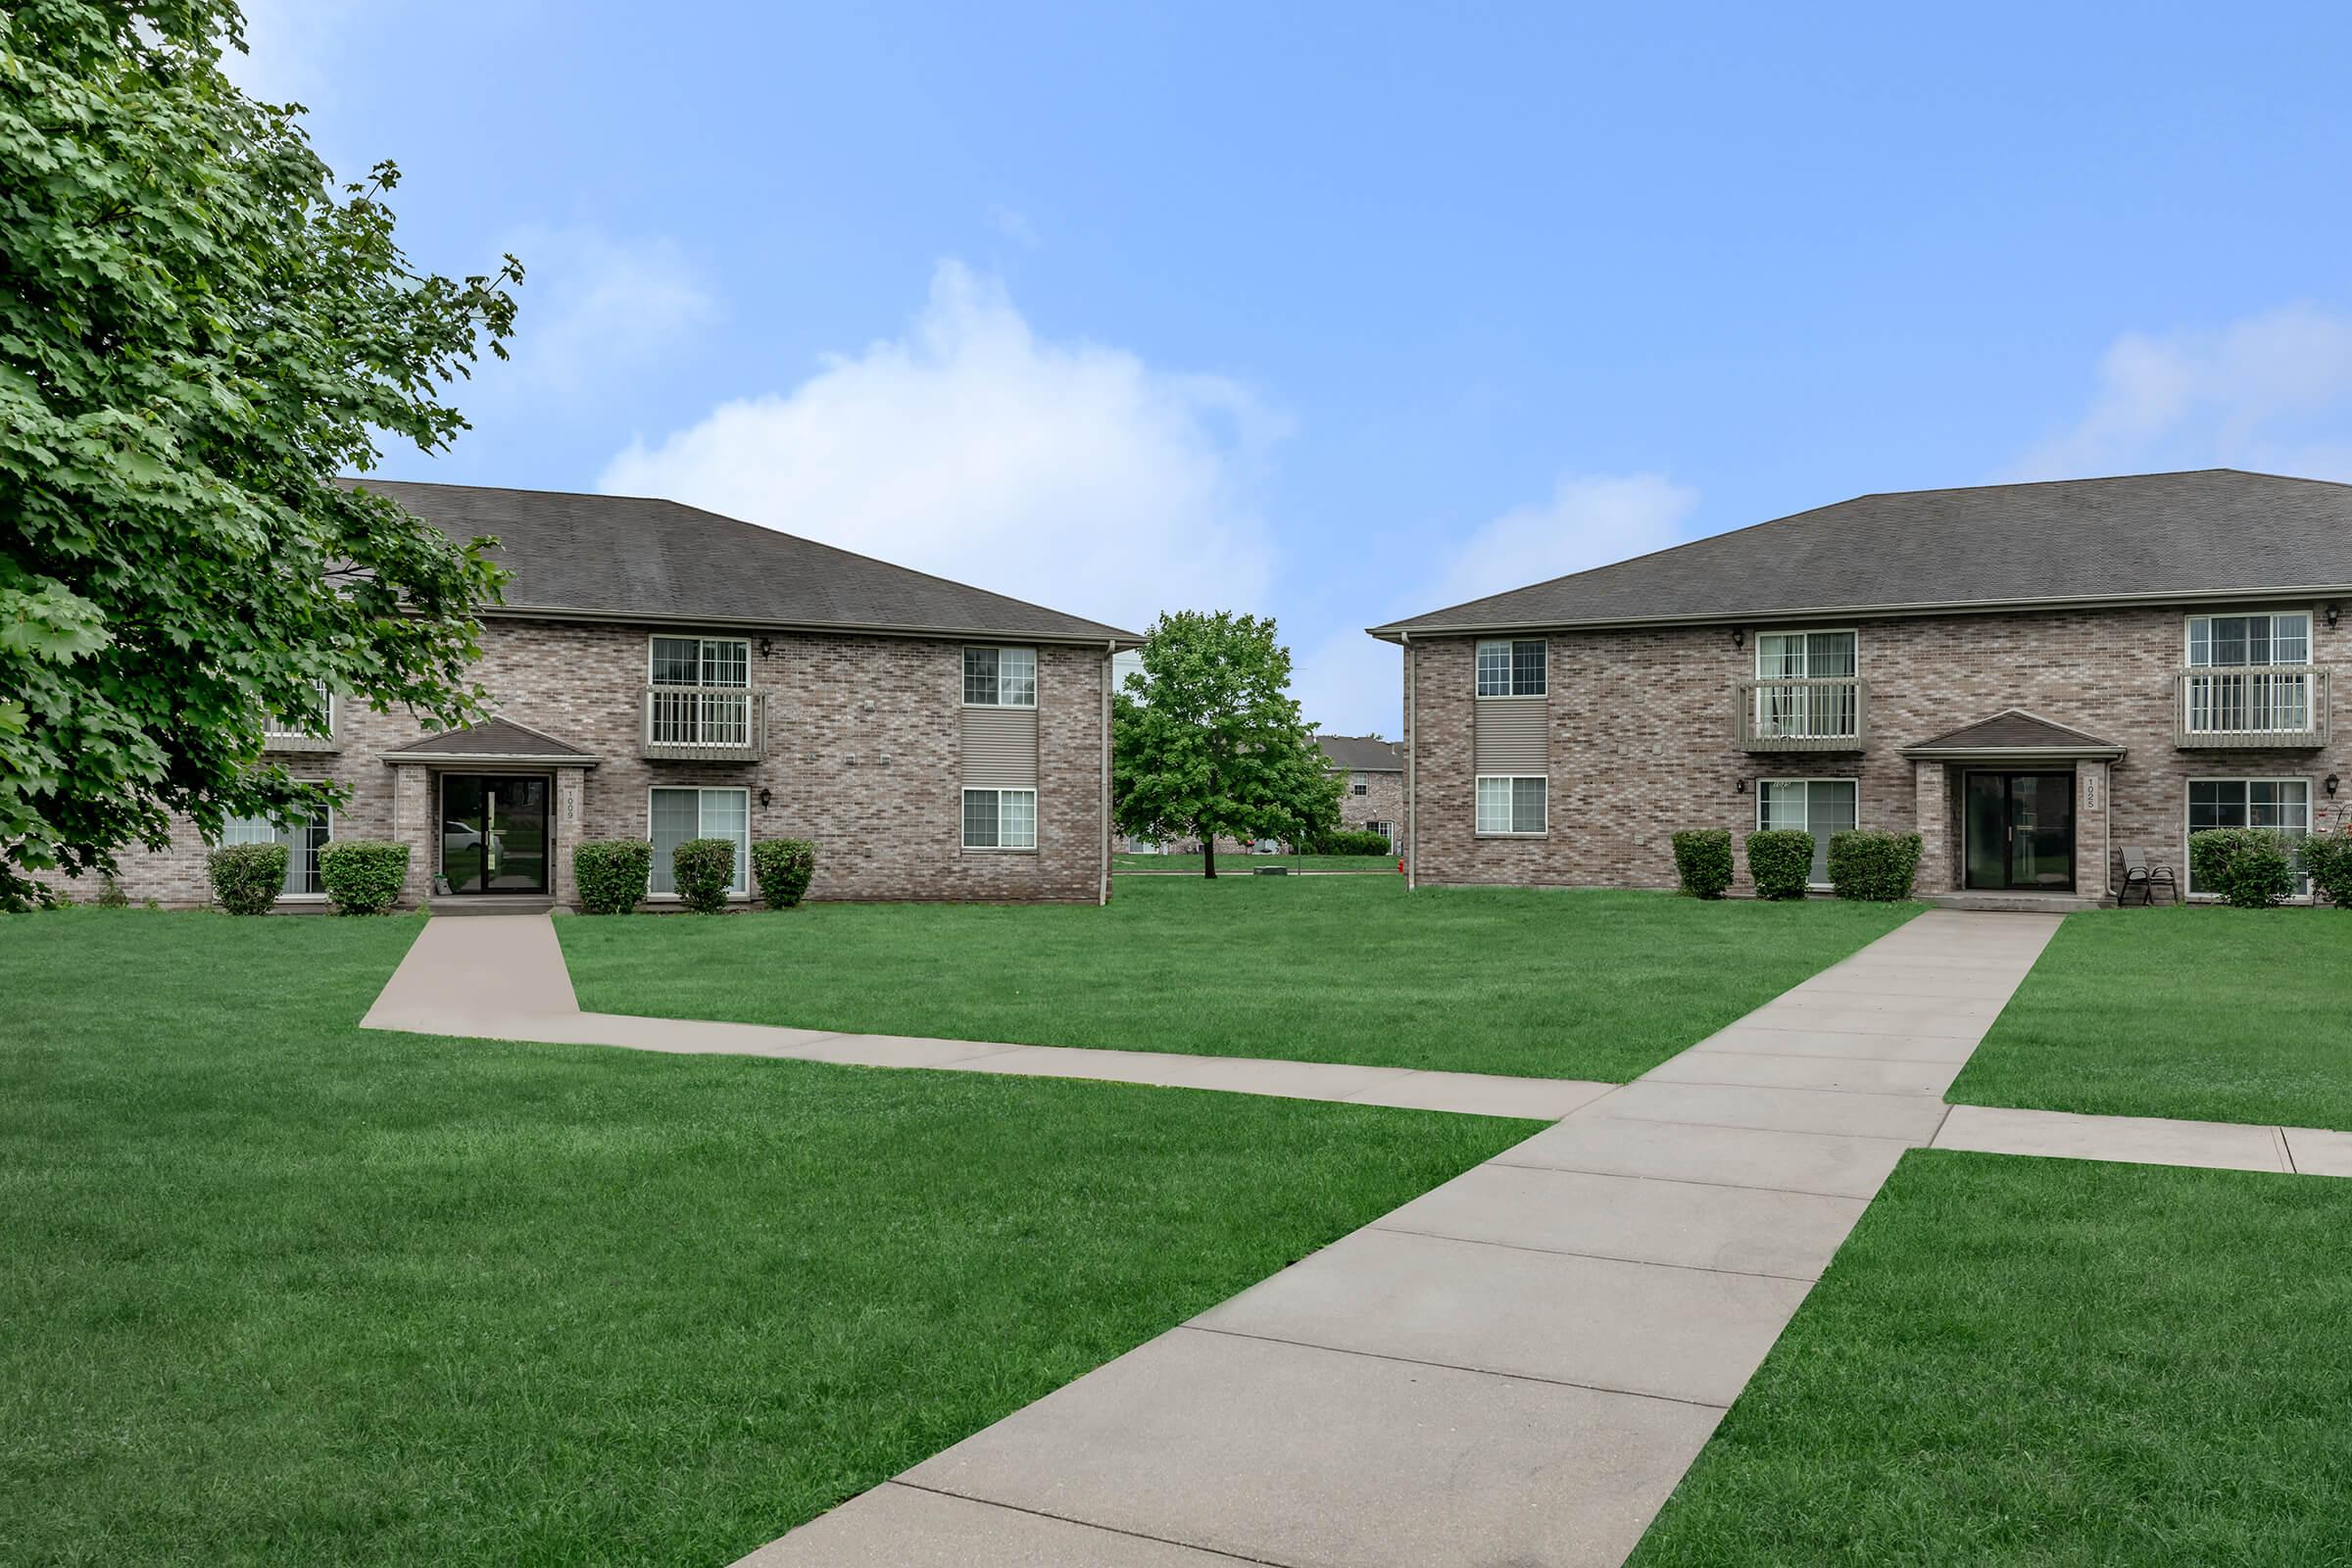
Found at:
<point>2143,872</point>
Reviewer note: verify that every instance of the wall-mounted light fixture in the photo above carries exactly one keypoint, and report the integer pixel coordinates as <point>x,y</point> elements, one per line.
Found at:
<point>2332,782</point>
<point>2335,613</point>
<point>1740,636</point>
<point>765,796</point>
<point>1741,788</point>
<point>763,647</point>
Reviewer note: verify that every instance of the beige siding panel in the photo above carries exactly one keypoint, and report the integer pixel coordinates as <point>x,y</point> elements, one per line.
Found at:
<point>1000,748</point>
<point>1514,735</point>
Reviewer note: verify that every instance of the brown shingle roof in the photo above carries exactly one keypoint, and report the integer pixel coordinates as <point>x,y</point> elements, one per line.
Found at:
<point>1362,754</point>
<point>634,557</point>
<point>494,737</point>
<point>2217,531</point>
<point>2015,729</point>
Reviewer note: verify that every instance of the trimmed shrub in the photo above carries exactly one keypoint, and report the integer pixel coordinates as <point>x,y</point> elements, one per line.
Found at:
<point>701,869</point>
<point>1349,841</point>
<point>2248,867</point>
<point>247,878</point>
<point>1874,868</point>
<point>1702,858</point>
<point>611,874</point>
<point>1779,862</point>
<point>782,867</point>
<point>363,876</point>
<point>2328,862</point>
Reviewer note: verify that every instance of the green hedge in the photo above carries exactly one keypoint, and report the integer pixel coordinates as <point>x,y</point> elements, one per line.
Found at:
<point>247,878</point>
<point>611,874</point>
<point>1702,858</point>
<point>363,876</point>
<point>2328,862</point>
<point>1875,867</point>
<point>782,869</point>
<point>2248,867</point>
<point>1779,862</point>
<point>1349,841</point>
<point>701,869</point>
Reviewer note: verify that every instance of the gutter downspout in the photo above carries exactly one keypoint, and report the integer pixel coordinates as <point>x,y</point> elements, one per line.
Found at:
<point>1412,791</point>
<point>1110,654</point>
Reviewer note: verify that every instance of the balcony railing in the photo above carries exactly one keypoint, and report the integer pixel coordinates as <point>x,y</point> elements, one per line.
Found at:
<point>703,724</point>
<point>1831,715</point>
<point>2250,709</point>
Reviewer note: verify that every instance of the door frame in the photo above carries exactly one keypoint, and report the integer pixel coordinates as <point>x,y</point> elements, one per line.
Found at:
<point>2074,836</point>
<point>546,833</point>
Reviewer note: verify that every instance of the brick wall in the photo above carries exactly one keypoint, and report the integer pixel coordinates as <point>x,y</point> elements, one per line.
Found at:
<point>1642,723</point>
<point>863,744</point>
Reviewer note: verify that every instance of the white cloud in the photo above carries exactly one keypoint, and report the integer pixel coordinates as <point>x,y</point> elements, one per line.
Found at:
<point>2271,391</point>
<point>592,308</point>
<point>1072,474</point>
<point>1590,521</point>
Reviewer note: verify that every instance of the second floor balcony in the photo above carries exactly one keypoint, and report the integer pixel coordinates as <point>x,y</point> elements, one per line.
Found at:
<point>282,734</point>
<point>703,724</point>
<point>2250,709</point>
<point>1778,715</point>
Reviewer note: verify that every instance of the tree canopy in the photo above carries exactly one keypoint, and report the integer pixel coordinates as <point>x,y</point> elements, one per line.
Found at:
<point>200,330</point>
<point>1207,740</point>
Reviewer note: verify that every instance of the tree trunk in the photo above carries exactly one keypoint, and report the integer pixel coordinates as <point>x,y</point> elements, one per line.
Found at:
<point>1209,854</point>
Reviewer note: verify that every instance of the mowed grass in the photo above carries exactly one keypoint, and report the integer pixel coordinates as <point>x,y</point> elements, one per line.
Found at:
<point>2207,1014</point>
<point>1540,983</point>
<point>2049,1363</point>
<point>281,1290</point>
<point>1245,864</point>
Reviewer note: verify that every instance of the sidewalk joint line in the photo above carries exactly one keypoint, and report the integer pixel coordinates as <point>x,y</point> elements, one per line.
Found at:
<point>1680,1180</point>
<point>1455,1366</point>
<point>1598,1257</point>
<point>1083,1524</point>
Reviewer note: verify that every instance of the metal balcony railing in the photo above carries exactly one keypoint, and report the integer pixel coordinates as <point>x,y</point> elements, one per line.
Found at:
<point>703,724</point>
<point>2250,709</point>
<point>1831,715</point>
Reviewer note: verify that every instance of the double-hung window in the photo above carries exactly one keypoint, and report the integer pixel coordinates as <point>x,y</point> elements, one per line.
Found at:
<point>1000,820</point>
<point>2280,805</point>
<point>1819,807</point>
<point>679,814</point>
<point>2262,681</point>
<point>1512,668</point>
<point>1805,688</point>
<point>1511,804</point>
<point>701,691</point>
<point>1000,677</point>
<point>303,836</point>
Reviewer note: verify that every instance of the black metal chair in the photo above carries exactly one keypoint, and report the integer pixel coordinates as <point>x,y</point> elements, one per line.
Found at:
<point>2146,874</point>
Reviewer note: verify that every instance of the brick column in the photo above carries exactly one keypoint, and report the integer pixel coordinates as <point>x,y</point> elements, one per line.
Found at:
<point>2093,870</point>
<point>413,824</point>
<point>1932,803</point>
<point>563,833</point>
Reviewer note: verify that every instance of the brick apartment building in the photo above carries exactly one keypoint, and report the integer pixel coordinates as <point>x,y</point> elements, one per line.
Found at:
<point>2034,677</point>
<point>660,672</point>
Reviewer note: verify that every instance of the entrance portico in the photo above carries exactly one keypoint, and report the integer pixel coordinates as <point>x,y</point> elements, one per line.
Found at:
<point>491,811</point>
<point>2014,803</point>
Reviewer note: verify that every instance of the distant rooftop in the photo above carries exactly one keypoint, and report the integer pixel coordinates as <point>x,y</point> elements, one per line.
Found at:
<point>1362,754</point>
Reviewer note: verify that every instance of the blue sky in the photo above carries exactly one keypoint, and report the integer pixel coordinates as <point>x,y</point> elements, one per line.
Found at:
<point>1348,313</point>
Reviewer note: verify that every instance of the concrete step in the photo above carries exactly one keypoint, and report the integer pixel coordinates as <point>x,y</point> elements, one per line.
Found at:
<point>490,903</point>
<point>2015,903</point>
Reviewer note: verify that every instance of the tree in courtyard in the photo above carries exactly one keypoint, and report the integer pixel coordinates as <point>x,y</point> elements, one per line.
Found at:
<point>1207,740</point>
<point>199,331</point>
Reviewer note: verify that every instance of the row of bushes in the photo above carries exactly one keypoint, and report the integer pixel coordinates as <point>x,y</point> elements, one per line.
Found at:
<point>363,876</point>
<point>1349,841</point>
<point>1878,867</point>
<point>2254,868</point>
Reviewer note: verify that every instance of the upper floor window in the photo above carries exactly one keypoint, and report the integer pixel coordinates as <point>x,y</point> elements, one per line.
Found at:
<point>1000,677</point>
<point>279,727</point>
<point>1512,668</point>
<point>702,661</point>
<point>1805,656</point>
<point>2239,641</point>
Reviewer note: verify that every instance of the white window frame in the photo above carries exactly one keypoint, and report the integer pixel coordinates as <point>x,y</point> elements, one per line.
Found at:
<point>964,682</point>
<point>280,835</point>
<point>1544,665</point>
<point>702,660</point>
<point>278,727</point>
<point>962,818</point>
<point>1854,784</point>
<point>2311,797</point>
<point>741,887</point>
<point>1509,832</point>
<point>1855,633</point>
<point>2188,639</point>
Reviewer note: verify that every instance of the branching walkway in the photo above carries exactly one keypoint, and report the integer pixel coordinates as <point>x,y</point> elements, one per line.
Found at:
<point>1516,1367</point>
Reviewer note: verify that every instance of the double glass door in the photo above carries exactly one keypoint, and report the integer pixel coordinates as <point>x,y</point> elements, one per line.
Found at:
<point>2021,831</point>
<point>494,833</point>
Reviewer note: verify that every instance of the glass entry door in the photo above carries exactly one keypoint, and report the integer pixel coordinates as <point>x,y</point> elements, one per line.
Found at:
<point>494,833</point>
<point>2020,832</point>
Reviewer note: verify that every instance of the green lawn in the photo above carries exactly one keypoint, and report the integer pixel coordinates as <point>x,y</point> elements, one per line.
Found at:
<point>2208,1014</point>
<point>2049,1363</point>
<point>279,1290</point>
<point>1241,864</point>
<point>1539,983</point>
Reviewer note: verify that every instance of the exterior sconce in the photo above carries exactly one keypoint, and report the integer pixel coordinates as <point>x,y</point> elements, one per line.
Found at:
<point>763,647</point>
<point>2330,784</point>
<point>765,796</point>
<point>2335,613</point>
<point>1741,788</point>
<point>1740,636</point>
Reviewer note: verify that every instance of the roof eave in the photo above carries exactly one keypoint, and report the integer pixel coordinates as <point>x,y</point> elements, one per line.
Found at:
<point>1400,631</point>
<point>493,758</point>
<point>1105,636</point>
<point>2014,753</point>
